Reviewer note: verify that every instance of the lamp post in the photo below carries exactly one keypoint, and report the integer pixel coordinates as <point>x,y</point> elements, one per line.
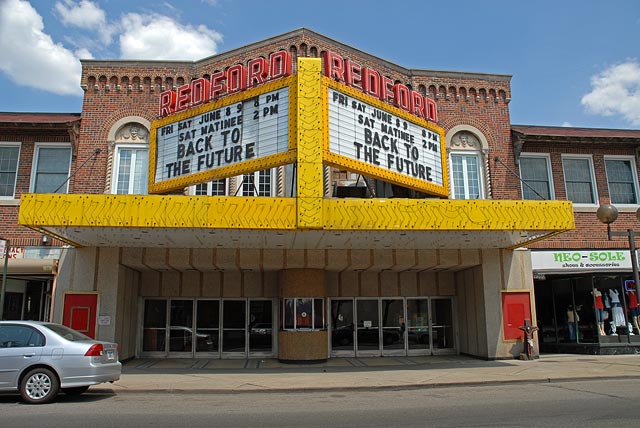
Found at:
<point>3,287</point>
<point>607,214</point>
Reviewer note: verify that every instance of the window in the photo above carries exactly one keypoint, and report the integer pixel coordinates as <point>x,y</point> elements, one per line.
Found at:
<point>534,171</point>
<point>8,170</point>
<point>20,336</point>
<point>466,176</point>
<point>302,314</point>
<point>258,183</point>
<point>578,179</point>
<point>51,169</point>
<point>621,178</point>
<point>131,170</point>
<point>212,188</point>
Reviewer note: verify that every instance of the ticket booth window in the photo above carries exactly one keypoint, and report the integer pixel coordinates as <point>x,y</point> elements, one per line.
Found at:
<point>302,314</point>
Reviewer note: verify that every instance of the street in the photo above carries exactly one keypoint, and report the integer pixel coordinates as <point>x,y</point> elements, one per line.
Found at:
<point>603,403</point>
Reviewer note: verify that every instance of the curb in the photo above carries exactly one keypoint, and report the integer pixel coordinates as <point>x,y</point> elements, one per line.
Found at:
<point>392,387</point>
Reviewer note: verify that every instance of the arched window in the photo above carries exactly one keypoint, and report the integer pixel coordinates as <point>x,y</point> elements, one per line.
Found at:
<point>129,152</point>
<point>466,165</point>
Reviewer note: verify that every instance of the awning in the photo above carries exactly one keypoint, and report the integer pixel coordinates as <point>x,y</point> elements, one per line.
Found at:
<point>243,222</point>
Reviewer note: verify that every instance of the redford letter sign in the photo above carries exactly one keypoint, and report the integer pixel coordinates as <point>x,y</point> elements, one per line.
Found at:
<point>378,86</point>
<point>239,77</point>
<point>236,78</point>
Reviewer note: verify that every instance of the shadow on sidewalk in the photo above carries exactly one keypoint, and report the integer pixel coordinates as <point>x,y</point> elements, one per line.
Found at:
<point>269,365</point>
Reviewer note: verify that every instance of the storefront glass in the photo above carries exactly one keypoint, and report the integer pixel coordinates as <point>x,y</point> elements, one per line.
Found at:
<point>586,310</point>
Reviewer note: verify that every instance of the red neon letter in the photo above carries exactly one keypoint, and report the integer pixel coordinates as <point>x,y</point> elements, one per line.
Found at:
<point>352,74</point>
<point>184,97</point>
<point>386,89</point>
<point>279,64</point>
<point>371,82</point>
<point>417,106</point>
<point>430,109</point>
<point>333,66</point>
<point>236,78</point>
<point>200,91</point>
<point>401,95</point>
<point>258,71</point>
<point>218,88</point>
<point>167,103</point>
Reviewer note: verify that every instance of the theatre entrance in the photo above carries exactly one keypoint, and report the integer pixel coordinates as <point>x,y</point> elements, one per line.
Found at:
<point>207,328</point>
<point>402,326</point>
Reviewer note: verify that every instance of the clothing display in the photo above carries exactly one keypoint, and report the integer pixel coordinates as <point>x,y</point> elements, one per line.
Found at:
<point>616,309</point>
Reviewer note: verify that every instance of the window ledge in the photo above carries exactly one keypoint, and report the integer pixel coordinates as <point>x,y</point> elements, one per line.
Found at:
<point>594,208</point>
<point>10,202</point>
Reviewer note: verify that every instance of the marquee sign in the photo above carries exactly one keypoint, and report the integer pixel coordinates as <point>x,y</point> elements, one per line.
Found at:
<point>371,137</point>
<point>242,133</point>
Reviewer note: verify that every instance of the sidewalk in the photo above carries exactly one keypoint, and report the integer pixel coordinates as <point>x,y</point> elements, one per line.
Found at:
<point>235,376</point>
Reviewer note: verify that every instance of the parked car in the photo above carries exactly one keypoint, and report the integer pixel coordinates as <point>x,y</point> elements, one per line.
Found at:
<point>39,359</point>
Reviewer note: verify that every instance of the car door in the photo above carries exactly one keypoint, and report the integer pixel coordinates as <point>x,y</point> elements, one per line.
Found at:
<point>20,346</point>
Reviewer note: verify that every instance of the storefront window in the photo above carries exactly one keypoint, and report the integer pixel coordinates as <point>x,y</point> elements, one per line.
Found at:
<point>303,314</point>
<point>589,309</point>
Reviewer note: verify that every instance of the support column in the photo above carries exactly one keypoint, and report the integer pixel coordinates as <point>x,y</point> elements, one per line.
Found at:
<point>308,346</point>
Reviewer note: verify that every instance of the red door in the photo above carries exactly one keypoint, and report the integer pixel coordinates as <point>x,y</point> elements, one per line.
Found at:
<point>79,312</point>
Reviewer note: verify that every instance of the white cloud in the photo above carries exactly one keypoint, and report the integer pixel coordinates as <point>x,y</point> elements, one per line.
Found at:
<point>29,55</point>
<point>566,125</point>
<point>86,15</point>
<point>160,37</point>
<point>616,91</point>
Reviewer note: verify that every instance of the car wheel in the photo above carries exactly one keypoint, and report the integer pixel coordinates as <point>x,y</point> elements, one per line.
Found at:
<point>39,386</point>
<point>75,391</point>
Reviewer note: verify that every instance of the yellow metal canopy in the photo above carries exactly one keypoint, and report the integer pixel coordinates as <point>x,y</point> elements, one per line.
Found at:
<point>237,222</point>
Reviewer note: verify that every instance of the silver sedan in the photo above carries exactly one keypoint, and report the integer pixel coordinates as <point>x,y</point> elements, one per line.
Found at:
<point>39,359</point>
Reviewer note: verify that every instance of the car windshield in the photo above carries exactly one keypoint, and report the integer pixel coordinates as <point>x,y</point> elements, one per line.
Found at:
<point>66,332</point>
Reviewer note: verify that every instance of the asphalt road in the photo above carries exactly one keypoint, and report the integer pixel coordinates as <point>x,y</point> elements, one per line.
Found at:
<point>569,404</point>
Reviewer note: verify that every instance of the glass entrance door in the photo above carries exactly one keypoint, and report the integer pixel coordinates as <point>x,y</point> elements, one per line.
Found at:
<point>342,333</point>
<point>154,327</point>
<point>418,334</point>
<point>234,324</point>
<point>368,328</point>
<point>393,327</point>
<point>442,325</point>
<point>181,328</point>
<point>208,328</point>
<point>260,328</point>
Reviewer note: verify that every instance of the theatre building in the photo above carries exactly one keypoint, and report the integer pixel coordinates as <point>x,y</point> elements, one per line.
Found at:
<point>586,297</point>
<point>295,198</point>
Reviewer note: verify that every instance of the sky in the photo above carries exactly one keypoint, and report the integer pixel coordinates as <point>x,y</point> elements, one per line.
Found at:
<point>573,62</point>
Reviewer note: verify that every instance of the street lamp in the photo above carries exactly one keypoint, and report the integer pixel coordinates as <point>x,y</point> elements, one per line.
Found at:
<point>607,214</point>
<point>3,287</point>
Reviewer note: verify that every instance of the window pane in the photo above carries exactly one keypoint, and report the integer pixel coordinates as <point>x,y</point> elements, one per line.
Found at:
<point>132,174</point>
<point>303,313</point>
<point>140,172</point>
<point>52,169</point>
<point>318,313</point>
<point>466,176</point>
<point>289,310</point>
<point>534,171</point>
<point>8,168</point>
<point>577,176</point>
<point>248,185</point>
<point>622,188</point>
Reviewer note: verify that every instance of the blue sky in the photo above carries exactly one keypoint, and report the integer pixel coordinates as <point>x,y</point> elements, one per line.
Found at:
<point>573,62</point>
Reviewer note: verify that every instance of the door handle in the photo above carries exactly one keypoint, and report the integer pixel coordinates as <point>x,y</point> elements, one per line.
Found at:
<point>30,355</point>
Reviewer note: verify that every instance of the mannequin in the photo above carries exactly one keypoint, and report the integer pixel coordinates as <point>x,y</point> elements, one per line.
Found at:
<point>599,306</point>
<point>633,307</point>
<point>617,313</point>
<point>572,319</point>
